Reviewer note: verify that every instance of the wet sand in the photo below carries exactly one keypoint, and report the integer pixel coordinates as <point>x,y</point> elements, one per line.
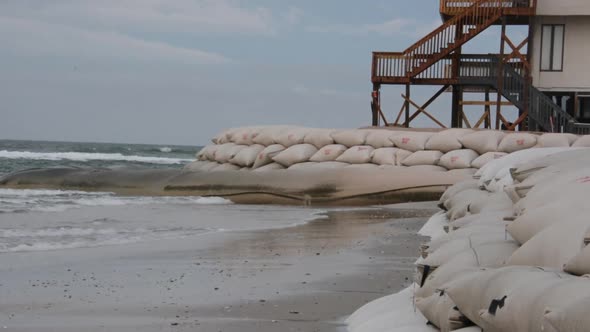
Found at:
<point>304,278</point>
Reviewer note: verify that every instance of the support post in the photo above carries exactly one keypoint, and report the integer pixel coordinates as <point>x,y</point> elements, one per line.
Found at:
<point>501,74</point>
<point>376,103</point>
<point>407,107</point>
<point>456,108</point>
<point>487,111</point>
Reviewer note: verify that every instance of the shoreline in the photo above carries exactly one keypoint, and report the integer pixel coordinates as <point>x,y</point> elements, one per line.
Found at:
<point>308,277</point>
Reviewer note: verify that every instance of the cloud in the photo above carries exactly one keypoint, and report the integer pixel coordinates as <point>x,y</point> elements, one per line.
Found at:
<point>27,37</point>
<point>387,28</point>
<point>293,15</point>
<point>180,16</point>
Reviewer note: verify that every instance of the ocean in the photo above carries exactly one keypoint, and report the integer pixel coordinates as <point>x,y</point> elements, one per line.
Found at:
<point>41,220</point>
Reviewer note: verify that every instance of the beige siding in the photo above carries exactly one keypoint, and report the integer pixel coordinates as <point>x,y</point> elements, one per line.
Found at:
<point>563,7</point>
<point>576,57</point>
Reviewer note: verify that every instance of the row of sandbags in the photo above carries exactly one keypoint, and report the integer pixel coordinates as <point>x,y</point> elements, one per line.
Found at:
<point>481,141</point>
<point>513,254</point>
<point>280,147</point>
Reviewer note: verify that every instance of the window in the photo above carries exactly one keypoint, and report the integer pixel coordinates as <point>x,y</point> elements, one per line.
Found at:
<point>552,42</point>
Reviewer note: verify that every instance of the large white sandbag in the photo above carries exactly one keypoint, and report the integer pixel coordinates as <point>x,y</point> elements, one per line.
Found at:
<point>523,308</point>
<point>328,153</point>
<point>489,254</point>
<point>224,136</point>
<point>389,156</point>
<point>363,166</point>
<point>411,141</point>
<point>225,167</point>
<point>306,166</point>
<point>475,293</point>
<point>458,187</point>
<point>330,165</point>
<point>469,236</point>
<point>462,172</point>
<point>356,155</point>
<point>319,137</point>
<point>350,138</point>
<point>533,221</point>
<point>465,197</point>
<point>227,151</point>
<point>428,168</point>
<point>291,136</point>
<point>497,201</point>
<point>572,317</point>
<point>295,154</point>
<point>422,158</point>
<point>269,167</point>
<point>447,140</point>
<point>247,156</point>
<point>553,140</point>
<point>440,311</point>
<point>517,141</point>
<point>482,160</point>
<point>458,159</point>
<point>265,156</point>
<point>567,158</point>
<point>487,217</point>
<point>482,141</point>
<point>195,166</point>
<point>580,265</point>
<point>555,246</point>
<point>582,142</point>
<point>207,153</point>
<point>380,138</point>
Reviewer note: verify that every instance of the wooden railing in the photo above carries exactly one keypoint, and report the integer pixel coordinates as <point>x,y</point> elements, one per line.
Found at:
<point>455,7</point>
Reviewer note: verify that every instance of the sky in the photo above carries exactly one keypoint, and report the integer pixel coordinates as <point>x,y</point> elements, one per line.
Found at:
<point>179,71</point>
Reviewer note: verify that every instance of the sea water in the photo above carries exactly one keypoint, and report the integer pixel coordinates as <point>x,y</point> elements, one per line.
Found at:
<point>39,220</point>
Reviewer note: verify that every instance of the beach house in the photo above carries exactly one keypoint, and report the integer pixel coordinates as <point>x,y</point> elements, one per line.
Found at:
<point>545,77</point>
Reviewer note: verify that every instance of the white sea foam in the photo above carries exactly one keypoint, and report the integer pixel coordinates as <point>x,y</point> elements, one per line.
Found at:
<point>82,156</point>
<point>165,149</point>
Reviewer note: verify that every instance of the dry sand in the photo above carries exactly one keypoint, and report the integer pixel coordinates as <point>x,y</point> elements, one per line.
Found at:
<point>304,278</point>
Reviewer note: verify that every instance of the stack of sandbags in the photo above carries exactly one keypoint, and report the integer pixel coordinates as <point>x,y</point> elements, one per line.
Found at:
<point>512,259</point>
<point>461,151</point>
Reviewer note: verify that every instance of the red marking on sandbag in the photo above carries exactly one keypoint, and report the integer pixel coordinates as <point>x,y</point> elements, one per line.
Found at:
<point>327,152</point>
<point>261,156</point>
<point>454,159</point>
<point>584,179</point>
<point>360,148</point>
<point>244,136</point>
<point>520,142</point>
<point>405,140</point>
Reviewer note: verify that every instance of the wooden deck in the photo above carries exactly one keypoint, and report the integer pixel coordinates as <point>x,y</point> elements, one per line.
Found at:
<point>517,11</point>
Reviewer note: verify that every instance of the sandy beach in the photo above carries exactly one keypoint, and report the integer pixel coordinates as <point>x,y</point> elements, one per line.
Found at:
<point>303,278</point>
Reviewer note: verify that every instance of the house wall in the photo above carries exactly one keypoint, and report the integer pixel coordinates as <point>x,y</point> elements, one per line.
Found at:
<point>563,7</point>
<point>576,57</point>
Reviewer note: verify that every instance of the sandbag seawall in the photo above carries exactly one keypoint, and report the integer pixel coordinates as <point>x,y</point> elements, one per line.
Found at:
<point>509,250</point>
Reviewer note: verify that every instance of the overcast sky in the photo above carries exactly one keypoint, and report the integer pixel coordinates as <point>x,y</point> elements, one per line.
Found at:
<point>179,71</point>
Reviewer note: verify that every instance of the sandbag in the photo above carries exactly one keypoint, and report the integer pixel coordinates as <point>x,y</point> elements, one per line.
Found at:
<point>465,197</point>
<point>411,141</point>
<point>330,165</point>
<point>516,142</point>
<point>356,155</point>
<point>497,201</point>
<point>363,167</point>
<point>524,308</point>
<point>319,137</point>
<point>350,138</point>
<point>267,136</point>
<point>295,154</point>
<point>482,141</point>
<point>572,317</point>
<point>245,135</point>
<point>224,136</point>
<point>195,166</point>
<point>207,153</point>
<point>489,217</point>
<point>582,142</point>
<point>580,265</point>
<point>291,136</point>
<point>554,140</point>
<point>488,254</point>
<point>447,140</point>
<point>380,138</point>
<point>533,221</point>
<point>227,151</point>
<point>458,187</point>
<point>440,311</point>
<point>389,156</point>
<point>302,166</point>
<point>247,156</point>
<point>422,158</point>
<point>555,246</point>
<point>225,167</point>
<point>328,153</point>
<point>463,172</point>
<point>458,159</point>
<point>269,167</point>
<point>469,236</point>
<point>265,156</point>
<point>482,160</point>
